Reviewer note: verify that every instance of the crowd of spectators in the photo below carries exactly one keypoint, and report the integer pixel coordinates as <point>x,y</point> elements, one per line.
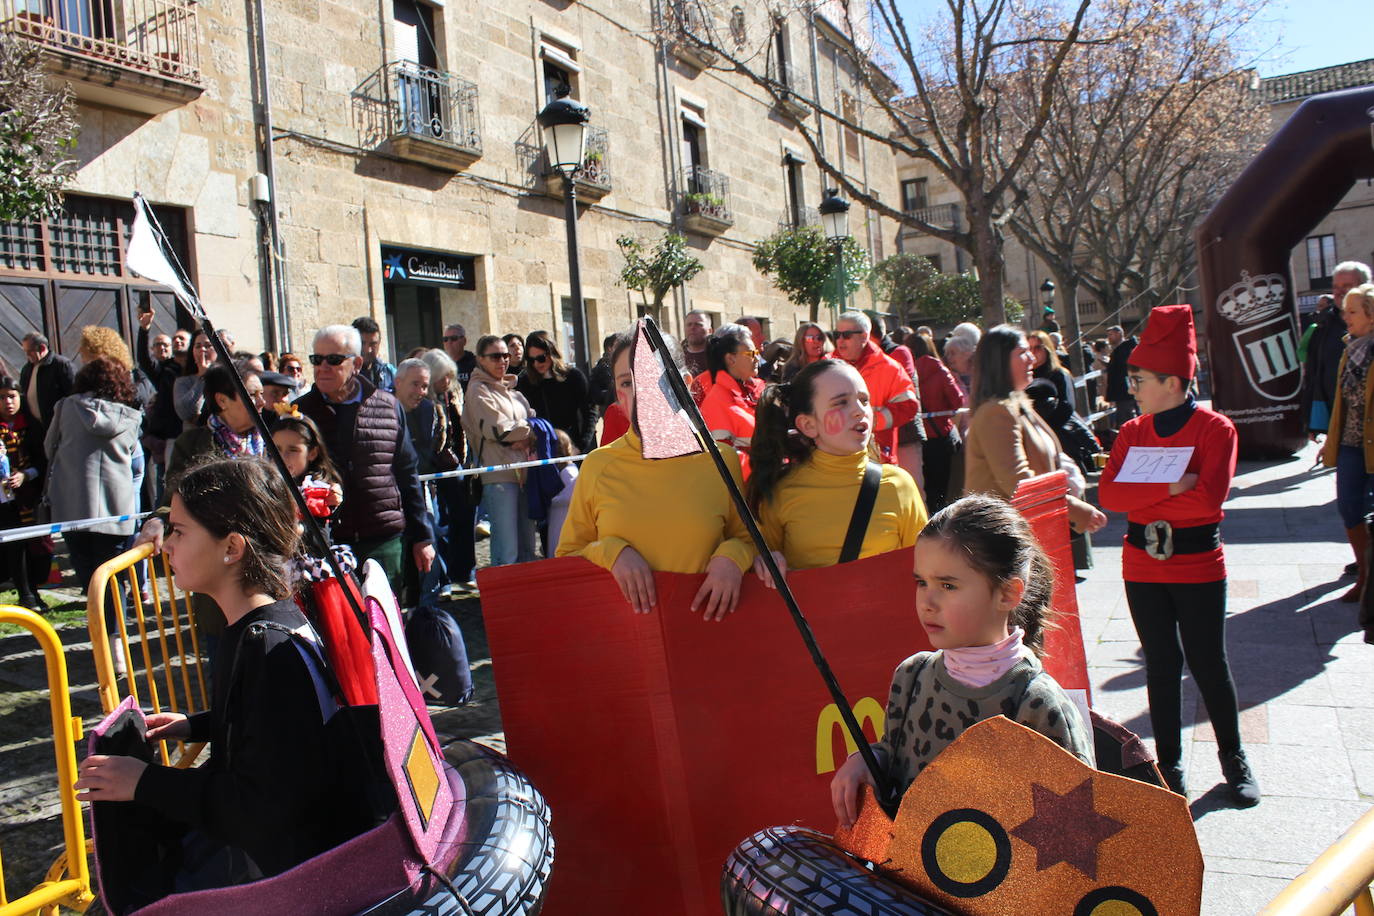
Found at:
<point>107,439</point>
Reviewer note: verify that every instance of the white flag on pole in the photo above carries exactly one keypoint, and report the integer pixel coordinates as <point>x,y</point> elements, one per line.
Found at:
<point>145,257</point>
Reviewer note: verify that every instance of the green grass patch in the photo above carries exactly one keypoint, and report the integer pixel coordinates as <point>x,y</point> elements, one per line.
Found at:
<point>61,610</point>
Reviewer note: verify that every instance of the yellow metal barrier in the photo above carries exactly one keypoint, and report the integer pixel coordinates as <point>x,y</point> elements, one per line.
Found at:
<point>167,674</point>
<point>68,882</point>
<point>1340,876</point>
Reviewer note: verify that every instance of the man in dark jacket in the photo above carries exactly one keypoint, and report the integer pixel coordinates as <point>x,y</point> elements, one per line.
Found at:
<point>1324,351</point>
<point>364,430</point>
<point>46,379</point>
<point>375,369</point>
<point>1118,392</point>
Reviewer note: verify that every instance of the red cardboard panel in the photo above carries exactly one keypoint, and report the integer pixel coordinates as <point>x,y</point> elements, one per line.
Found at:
<point>661,741</point>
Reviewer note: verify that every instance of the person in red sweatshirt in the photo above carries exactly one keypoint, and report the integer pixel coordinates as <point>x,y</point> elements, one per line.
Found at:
<point>1172,560</point>
<point>891,390</point>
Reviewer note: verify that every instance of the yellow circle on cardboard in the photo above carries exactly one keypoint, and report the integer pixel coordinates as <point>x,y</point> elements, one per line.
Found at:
<point>966,852</point>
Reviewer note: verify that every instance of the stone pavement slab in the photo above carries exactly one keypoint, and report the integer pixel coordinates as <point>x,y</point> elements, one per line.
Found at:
<point>1304,675</point>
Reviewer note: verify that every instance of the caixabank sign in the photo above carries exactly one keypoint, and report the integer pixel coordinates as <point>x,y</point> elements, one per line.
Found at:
<point>417,267</point>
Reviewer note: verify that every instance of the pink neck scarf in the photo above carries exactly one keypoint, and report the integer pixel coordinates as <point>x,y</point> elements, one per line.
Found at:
<point>979,666</point>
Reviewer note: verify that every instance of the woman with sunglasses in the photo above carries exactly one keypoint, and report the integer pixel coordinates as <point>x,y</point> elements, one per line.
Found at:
<point>810,346</point>
<point>496,420</point>
<point>291,366</point>
<point>732,366</point>
<point>558,392</point>
<point>1046,365</point>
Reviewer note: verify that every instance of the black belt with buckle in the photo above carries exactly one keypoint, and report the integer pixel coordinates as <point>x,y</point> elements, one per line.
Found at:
<point>1162,540</point>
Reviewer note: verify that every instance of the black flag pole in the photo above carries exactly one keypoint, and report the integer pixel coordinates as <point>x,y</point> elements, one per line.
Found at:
<point>689,406</point>
<point>315,534</point>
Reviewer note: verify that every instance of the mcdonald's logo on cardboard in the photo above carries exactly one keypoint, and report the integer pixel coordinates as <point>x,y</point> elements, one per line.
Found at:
<point>867,711</point>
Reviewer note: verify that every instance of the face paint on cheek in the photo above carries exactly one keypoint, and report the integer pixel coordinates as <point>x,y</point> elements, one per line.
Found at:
<point>833,422</point>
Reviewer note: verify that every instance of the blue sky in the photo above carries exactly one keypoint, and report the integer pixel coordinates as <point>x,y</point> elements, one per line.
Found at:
<point>1291,35</point>
<point>1307,34</point>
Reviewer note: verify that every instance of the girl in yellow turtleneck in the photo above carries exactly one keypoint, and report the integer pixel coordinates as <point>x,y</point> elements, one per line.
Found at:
<point>810,448</point>
<point>634,516</point>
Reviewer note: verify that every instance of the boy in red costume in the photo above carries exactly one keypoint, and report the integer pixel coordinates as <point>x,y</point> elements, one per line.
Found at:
<point>1172,559</point>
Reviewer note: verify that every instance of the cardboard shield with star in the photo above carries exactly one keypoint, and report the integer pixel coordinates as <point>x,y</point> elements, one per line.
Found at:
<point>1005,821</point>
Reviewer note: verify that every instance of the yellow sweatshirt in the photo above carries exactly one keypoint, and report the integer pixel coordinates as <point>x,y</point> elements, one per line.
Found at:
<point>808,514</point>
<point>675,512</point>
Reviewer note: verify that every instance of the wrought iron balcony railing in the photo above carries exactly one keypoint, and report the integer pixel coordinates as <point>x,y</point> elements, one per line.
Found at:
<point>154,37</point>
<point>427,114</point>
<point>945,216</point>
<point>706,193</point>
<point>793,219</point>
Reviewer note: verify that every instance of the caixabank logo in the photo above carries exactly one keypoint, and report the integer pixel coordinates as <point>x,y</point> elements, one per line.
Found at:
<point>1266,340</point>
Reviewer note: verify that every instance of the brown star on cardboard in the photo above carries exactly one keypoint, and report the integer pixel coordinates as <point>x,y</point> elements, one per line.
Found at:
<point>1065,828</point>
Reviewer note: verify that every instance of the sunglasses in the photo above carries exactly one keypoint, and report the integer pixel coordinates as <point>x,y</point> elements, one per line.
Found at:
<point>541,358</point>
<point>848,334</point>
<point>753,354</point>
<point>334,359</point>
<point>505,356</point>
<point>453,338</point>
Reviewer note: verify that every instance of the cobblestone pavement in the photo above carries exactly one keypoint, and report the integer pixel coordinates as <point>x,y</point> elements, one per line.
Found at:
<point>1304,675</point>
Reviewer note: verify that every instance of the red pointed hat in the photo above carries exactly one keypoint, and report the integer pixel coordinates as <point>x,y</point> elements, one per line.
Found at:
<point>1168,345</point>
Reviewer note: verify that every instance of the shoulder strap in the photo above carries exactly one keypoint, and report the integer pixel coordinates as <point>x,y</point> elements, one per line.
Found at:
<point>863,511</point>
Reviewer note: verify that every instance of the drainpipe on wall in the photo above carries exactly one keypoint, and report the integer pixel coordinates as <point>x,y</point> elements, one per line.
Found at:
<point>278,312</point>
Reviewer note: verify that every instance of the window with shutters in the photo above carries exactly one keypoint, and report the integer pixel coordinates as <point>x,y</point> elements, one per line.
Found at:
<point>1321,260</point>
<point>559,68</point>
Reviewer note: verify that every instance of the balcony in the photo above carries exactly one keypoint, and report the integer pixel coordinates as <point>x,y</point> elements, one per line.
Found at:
<point>706,202</point>
<point>594,178</point>
<point>420,114</point>
<point>689,18</point>
<point>136,55</point>
<point>807,216</point>
<point>942,216</point>
<point>789,86</point>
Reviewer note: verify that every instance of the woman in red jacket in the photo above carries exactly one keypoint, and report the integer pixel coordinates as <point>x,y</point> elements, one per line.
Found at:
<point>728,407</point>
<point>940,393</point>
<point>1172,560</point>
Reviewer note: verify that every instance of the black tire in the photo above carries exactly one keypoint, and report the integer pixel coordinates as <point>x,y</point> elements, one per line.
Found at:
<point>789,871</point>
<point>504,866</point>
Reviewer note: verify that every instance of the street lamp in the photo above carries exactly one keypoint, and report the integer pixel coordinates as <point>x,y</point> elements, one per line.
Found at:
<point>564,122</point>
<point>834,212</point>
<point>1047,297</point>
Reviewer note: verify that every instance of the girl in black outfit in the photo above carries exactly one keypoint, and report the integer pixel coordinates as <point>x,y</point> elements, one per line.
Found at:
<point>558,392</point>
<point>269,797</point>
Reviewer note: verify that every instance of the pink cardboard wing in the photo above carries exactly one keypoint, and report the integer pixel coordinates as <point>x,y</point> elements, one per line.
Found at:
<point>414,759</point>
<point>664,430</point>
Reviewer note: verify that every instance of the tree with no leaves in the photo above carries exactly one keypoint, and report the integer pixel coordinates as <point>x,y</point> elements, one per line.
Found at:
<point>37,134</point>
<point>1146,132</point>
<point>950,118</point>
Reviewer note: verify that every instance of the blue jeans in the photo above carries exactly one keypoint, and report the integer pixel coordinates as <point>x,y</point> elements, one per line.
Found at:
<point>512,530</point>
<point>1353,486</point>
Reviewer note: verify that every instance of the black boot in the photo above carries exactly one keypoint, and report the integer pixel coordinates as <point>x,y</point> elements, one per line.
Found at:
<point>32,602</point>
<point>1173,779</point>
<point>1244,787</point>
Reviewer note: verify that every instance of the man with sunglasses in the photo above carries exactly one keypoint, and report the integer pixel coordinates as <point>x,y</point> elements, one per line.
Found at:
<point>456,346</point>
<point>890,389</point>
<point>364,431</point>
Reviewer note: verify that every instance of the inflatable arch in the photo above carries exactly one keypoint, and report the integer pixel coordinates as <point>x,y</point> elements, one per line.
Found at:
<point>1243,264</point>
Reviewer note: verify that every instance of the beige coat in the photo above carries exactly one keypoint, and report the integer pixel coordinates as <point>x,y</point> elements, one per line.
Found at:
<point>1008,443</point>
<point>496,419</point>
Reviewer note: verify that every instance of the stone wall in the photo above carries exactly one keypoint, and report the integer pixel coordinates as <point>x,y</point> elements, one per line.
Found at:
<point>340,200</point>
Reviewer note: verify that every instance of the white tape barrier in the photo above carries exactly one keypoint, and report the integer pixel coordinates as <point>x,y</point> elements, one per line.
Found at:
<point>491,469</point>
<point>38,531</point>
<point>1082,380</point>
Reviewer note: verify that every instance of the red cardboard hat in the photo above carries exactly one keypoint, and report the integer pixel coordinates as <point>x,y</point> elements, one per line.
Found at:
<point>1168,345</point>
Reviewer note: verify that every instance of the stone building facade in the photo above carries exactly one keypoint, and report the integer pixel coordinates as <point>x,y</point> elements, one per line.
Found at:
<point>407,178</point>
